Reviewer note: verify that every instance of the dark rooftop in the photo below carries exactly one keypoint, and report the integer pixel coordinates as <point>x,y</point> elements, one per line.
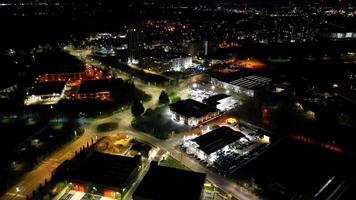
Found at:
<point>213,100</point>
<point>106,169</point>
<point>58,62</point>
<point>191,108</point>
<point>163,183</point>
<point>217,139</point>
<point>43,88</point>
<point>94,86</point>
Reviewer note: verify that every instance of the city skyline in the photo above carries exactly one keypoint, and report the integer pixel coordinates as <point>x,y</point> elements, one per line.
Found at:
<point>177,100</point>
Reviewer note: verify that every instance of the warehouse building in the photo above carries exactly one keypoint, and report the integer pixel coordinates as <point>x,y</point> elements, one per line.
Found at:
<point>192,112</point>
<point>94,89</point>
<point>165,183</point>
<point>248,85</point>
<point>106,174</point>
<point>206,146</point>
<point>45,93</point>
<point>222,102</point>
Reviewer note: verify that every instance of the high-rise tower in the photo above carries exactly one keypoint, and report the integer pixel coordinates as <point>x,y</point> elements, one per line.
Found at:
<point>135,43</point>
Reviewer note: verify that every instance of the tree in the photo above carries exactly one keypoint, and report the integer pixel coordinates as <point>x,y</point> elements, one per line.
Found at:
<point>137,108</point>
<point>163,98</point>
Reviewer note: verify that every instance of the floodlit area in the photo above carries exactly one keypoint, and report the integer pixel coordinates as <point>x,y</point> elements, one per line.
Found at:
<point>43,100</point>
<point>225,148</point>
<point>75,195</point>
<point>209,94</point>
<point>125,145</point>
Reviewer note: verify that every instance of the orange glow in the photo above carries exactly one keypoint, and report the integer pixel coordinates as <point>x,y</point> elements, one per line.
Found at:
<point>249,63</point>
<point>120,136</point>
<point>109,193</point>
<point>79,187</point>
<point>310,140</point>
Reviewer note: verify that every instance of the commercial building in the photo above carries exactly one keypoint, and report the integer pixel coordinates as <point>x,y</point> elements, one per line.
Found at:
<point>248,85</point>
<point>163,61</point>
<point>135,43</point>
<point>207,146</point>
<point>60,66</point>
<point>62,75</point>
<point>105,174</point>
<point>192,112</point>
<point>341,35</point>
<point>223,102</point>
<point>45,93</point>
<point>202,48</point>
<point>94,89</point>
<point>164,183</point>
<point>179,63</point>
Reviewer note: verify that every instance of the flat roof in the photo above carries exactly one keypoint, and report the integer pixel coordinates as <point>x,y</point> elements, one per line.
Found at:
<point>94,86</point>
<point>58,62</point>
<point>43,88</point>
<point>213,100</point>
<point>191,108</point>
<point>252,82</point>
<point>163,183</point>
<point>106,169</point>
<point>217,139</point>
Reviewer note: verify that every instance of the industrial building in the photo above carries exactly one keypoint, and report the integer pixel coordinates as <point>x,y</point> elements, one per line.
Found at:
<point>223,102</point>
<point>59,66</point>
<point>105,174</point>
<point>94,89</point>
<point>248,85</point>
<point>206,146</point>
<point>192,112</point>
<point>45,93</point>
<point>165,183</point>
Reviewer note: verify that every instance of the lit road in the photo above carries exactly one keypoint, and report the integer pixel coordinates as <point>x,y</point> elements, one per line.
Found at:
<point>124,119</point>
<point>43,171</point>
<point>222,182</point>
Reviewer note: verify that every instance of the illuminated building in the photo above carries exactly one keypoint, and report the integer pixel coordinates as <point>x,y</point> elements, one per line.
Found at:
<point>105,174</point>
<point>177,64</point>
<point>83,73</point>
<point>60,66</point>
<point>202,48</point>
<point>249,85</point>
<point>223,102</point>
<point>46,93</point>
<point>192,112</point>
<point>209,144</point>
<point>135,43</point>
<point>94,89</point>
<point>342,35</point>
<point>165,183</point>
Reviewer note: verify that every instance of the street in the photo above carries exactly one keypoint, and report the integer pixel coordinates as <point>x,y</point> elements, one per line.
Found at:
<point>43,171</point>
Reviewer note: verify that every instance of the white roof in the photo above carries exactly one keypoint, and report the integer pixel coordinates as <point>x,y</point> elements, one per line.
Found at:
<point>251,81</point>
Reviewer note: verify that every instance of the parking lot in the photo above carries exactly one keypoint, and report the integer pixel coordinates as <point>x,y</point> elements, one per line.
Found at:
<point>229,159</point>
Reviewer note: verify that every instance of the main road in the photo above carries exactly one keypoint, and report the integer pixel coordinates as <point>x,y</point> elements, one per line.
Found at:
<point>43,171</point>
